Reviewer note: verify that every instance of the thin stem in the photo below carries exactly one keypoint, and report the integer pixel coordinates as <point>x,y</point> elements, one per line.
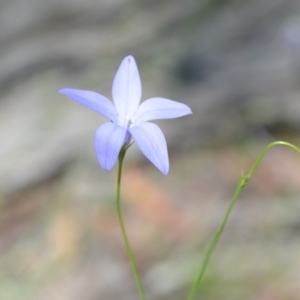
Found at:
<point>237,192</point>
<point>127,244</point>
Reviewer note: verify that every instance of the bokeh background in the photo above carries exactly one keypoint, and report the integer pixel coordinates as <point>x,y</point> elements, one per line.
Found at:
<point>236,64</point>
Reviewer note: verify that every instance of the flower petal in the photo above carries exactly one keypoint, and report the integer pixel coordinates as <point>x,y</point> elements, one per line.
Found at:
<point>160,108</point>
<point>92,100</point>
<point>109,139</point>
<point>127,89</point>
<point>152,143</point>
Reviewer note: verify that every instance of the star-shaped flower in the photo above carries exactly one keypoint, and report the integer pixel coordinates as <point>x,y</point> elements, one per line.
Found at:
<point>128,118</point>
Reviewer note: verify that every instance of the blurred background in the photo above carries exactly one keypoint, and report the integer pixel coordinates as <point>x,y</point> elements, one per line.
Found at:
<point>236,64</point>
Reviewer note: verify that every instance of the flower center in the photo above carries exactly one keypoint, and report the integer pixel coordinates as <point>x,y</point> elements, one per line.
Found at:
<point>126,122</point>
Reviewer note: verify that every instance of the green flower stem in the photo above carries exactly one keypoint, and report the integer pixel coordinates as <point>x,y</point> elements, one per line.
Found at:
<point>129,251</point>
<point>237,192</point>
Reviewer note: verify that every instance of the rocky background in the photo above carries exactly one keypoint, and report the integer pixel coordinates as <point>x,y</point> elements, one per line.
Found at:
<point>235,63</point>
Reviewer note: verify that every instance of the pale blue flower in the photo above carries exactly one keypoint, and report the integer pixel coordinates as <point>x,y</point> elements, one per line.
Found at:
<point>128,118</point>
